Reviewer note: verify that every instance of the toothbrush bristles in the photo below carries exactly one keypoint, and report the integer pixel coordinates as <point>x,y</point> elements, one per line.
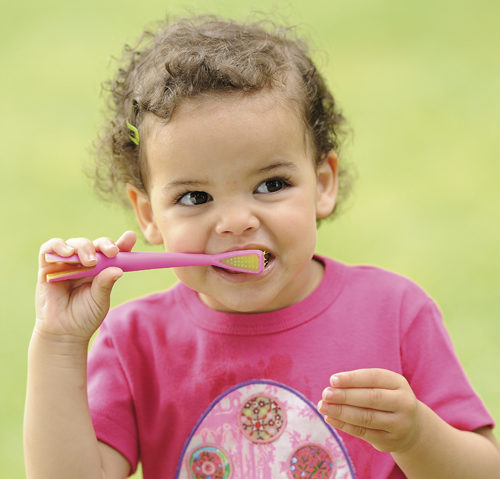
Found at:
<point>249,262</point>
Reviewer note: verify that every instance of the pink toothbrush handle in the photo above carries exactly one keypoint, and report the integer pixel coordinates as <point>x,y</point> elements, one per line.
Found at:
<point>135,261</point>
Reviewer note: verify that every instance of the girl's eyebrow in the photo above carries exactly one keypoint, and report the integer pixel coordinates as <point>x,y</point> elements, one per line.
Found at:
<point>280,164</point>
<point>199,184</point>
<point>184,183</point>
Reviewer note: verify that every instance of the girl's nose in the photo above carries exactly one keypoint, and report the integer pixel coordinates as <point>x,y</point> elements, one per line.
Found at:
<point>236,220</point>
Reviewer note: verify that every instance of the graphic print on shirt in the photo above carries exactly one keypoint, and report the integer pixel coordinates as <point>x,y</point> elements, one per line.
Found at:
<point>263,430</point>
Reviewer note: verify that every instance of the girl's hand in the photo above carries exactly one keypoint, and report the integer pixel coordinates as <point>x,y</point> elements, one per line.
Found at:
<point>375,405</point>
<point>72,310</point>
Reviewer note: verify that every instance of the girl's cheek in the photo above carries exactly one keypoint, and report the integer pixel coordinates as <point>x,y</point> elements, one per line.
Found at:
<point>184,238</point>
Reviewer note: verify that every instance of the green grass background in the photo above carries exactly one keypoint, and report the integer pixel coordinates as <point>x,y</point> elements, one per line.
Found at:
<point>418,82</point>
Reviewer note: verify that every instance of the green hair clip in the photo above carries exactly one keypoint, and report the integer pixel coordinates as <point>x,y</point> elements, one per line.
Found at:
<point>134,135</point>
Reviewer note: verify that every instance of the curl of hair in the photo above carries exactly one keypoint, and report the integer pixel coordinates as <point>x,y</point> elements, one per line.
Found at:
<point>206,54</point>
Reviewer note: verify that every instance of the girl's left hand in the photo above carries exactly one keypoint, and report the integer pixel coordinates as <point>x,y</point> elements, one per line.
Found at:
<point>376,405</point>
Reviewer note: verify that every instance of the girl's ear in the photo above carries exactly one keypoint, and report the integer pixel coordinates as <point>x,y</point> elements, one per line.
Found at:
<point>144,214</point>
<point>327,180</point>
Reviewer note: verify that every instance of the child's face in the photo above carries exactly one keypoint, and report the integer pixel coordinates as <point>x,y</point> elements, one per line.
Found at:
<point>233,172</point>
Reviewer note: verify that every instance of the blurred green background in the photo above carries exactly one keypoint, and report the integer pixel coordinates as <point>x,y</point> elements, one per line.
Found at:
<point>418,82</point>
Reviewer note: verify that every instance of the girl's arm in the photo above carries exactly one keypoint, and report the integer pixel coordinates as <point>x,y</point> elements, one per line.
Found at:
<point>379,406</point>
<point>58,434</point>
<point>441,451</point>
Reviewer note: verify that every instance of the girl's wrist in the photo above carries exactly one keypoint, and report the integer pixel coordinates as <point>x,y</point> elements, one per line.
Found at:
<point>416,436</point>
<point>58,345</point>
<point>420,450</point>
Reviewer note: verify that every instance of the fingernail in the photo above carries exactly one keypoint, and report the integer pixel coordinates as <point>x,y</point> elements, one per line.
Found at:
<point>110,244</point>
<point>328,395</point>
<point>118,275</point>
<point>334,380</point>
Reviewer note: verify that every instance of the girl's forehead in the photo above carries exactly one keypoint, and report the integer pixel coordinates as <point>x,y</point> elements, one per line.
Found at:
<point>256,129</point>
<point>233,101</point>
<point>209,110</point>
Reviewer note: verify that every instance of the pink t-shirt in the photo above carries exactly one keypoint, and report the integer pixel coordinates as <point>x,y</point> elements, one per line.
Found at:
<point>181,387</point>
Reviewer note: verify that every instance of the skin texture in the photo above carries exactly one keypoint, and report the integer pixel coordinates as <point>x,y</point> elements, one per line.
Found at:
<point>226,172</point>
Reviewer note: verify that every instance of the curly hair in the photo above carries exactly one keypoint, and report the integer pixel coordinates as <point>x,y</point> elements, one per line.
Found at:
<point>199,55</point>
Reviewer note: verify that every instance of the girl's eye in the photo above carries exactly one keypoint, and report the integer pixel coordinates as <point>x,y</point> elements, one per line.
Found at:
<point>272,185</point>
<point>193,198</point>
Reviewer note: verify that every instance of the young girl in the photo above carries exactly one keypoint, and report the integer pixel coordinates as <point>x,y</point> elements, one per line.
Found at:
<point>225,137</point>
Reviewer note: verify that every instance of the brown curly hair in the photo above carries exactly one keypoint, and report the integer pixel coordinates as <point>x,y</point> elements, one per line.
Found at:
<point>202,54</point>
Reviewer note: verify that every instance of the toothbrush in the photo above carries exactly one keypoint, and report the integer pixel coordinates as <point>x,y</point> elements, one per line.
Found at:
<point>243,261</point>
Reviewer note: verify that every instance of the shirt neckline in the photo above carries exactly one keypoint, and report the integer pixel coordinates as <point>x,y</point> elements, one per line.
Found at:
<point>251,324</point>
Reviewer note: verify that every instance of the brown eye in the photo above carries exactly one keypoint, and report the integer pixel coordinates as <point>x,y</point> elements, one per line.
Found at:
<point>194,198</point>
<point>272,185</point>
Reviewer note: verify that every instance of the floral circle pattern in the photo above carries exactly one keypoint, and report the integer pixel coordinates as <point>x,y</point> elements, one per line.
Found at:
<point>311,460</point>
<point>262,419</point>
<point>209,462</point>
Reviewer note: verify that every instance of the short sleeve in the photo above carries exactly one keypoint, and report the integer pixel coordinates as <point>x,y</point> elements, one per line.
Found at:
<point>431,366</point>
<point>110,400</point>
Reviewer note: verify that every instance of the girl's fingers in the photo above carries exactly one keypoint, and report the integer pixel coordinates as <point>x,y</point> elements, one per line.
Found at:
<point>367,378</point>
<point>377,438</point>
<point>106,246</point>
<point>372,398</point>
<point>359,417</point>
<point>84,248</point>
<point>101,288</point>
<point>54,245</point>
<point>57,246</point>
<point>126,241</point>
<point>373,404</point>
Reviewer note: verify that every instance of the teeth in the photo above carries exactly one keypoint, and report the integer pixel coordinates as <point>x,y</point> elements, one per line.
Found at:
<point>267,258</point>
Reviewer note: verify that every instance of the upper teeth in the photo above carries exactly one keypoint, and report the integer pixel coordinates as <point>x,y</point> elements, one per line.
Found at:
<point>267,257</point>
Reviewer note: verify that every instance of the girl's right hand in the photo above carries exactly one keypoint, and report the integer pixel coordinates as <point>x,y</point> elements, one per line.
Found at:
<point>72,310</point>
